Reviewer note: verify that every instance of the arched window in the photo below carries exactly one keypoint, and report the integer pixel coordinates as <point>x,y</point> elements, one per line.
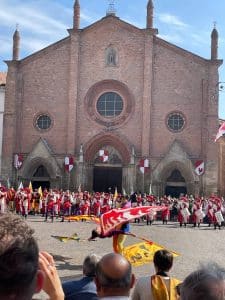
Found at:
<point>111,59</point>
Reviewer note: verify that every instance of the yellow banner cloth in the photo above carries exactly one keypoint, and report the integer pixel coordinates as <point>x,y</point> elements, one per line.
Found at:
<point>142,253</point>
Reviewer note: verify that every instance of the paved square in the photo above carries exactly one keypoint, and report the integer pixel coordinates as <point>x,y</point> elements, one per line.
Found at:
<point>195,245</point>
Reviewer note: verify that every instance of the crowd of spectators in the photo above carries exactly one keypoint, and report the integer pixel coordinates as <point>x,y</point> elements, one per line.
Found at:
<point>25,271</point>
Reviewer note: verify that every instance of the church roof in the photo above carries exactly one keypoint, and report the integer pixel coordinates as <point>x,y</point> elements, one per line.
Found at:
<point>3,78</point>
<point>114,18</point>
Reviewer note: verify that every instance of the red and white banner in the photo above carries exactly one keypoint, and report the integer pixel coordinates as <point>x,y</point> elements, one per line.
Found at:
<point>199,167</point>
<point>221,132</point>
<point>104,155</point>
<point>115,217</point>
<point>69,163</point>
<point>144,165</point>
<point>18,161</point>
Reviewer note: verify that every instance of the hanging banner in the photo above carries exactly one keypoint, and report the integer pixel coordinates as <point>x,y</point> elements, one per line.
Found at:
<point>18,161</point>
<point>69,163</point>
<point>104,155</point>
<point>144,165</point>
<point>199,167</point>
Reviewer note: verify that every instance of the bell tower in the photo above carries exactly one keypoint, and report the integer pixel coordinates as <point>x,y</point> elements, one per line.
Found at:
<point>150,10</point>
<point>76,15</point>
<point>214,43</point>
<point>16,44</point>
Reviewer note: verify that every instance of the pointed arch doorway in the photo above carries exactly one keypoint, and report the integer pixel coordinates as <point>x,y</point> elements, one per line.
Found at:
<point>108,175</point>
<point>40,178</point>
<point>175,184</point>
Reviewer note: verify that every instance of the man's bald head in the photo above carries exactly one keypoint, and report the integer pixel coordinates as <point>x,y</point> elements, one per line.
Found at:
<point>114,275</point>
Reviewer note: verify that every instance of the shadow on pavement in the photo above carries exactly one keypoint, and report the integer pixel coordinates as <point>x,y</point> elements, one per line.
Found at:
<point>63,263</point>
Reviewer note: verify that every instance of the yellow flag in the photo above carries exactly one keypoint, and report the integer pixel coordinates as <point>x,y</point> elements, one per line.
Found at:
<point>40,192</point>
<point>65,239</point>
<point>115,194</point>
<point>30,187</point>
<point>142,253</point>
<point>83,218</point>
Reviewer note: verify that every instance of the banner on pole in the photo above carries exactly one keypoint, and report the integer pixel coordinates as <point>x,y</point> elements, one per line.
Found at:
<point>69,163</point>
<point>144,165</point>
<point>18,161</point>
<point>104,155</point>
<point>199,167</point>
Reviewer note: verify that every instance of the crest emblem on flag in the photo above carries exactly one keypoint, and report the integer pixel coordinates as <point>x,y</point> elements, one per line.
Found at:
<point>69,163</point>
<point>104,155</point>
<point>144,165</point>
<point>18,161</point>
<point>199,167</point>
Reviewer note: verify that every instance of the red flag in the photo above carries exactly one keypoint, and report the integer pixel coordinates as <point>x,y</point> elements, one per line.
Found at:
<point>104,155</point>
<point>18,161</point>
<point>221,131</point>
<point>144,165</point>
<point>115,217</point>
<point>199,167</point>
<point>69,163</point>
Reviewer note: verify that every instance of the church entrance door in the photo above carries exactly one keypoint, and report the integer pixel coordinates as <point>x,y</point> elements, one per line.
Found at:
<point>175,184</point>
<point>106,179</point>
<point>41,178</point>
<point>43,184</point>
<point>175,191</point>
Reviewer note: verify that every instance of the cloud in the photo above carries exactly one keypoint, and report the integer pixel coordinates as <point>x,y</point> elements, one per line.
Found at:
<point>172,38</point>
<point>33,44</point>
<point>134,22</point>
<point>30,18</point>
<point>171,20</point>
<point>40,23</point>
<point>6,45</point>
<point>84,15</point>
<point>201,38</point>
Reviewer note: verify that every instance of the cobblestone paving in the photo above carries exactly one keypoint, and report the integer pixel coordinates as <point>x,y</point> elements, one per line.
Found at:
<point>196,245</point>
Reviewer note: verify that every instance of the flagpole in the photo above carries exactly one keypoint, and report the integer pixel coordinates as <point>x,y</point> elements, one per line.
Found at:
<point>143,187</point>
<point>69,181</point>
<point>16,178</point>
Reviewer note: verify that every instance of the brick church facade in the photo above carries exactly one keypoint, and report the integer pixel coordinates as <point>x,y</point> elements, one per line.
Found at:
<point>115,87</point>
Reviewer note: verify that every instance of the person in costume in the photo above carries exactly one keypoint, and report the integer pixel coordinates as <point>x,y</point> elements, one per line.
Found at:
<point>184,214</point>
<point>25,205</point>
<point>50,208</point>
<point>118,234</point>
<point>198,215</point>
<point>210,213</point>
<point>160,285</point>
<point>166,214</point>
<point>218,217</point>
<point>3,206</point>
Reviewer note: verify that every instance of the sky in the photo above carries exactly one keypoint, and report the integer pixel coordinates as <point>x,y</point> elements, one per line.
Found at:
<point>185,23</point>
